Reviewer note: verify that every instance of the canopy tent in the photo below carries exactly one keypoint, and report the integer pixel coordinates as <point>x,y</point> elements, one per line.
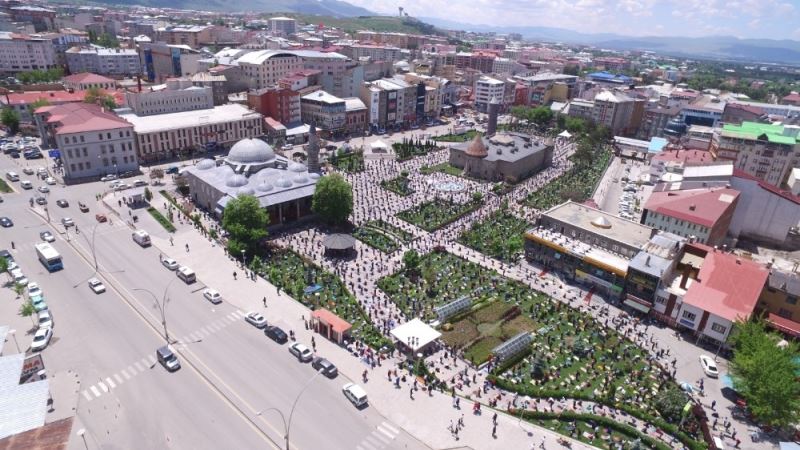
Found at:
<point>565,134</point>
<point>379,146</point>
<point>339,241</point>
<point>415,334</point>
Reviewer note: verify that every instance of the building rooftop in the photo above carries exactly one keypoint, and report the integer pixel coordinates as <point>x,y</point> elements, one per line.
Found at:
<point>737,173</point>
<point>505,146</point>
<point>23,407</point>
<point>621,230</point>
<point>700,206</point>
<point>658,255</point>
<point>28,97</point>
<point>777,134</point>
<point>353,104</point>
<point>82,117</point>
<point>610,77</point>
<point>726,285</point>
<point>102,51</point>
<point>322,96</point>
<point>87,77</point>
<point>185,119</point>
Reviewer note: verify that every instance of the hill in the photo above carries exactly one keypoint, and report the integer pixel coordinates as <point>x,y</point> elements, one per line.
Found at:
<point>391,24</point>
<point>335,8</point>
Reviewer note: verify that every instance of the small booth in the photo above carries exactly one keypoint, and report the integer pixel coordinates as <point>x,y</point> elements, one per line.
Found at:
<point>330,325</point>
<point>379,147</point>
<point>338,244</point>
<point>415,336</point>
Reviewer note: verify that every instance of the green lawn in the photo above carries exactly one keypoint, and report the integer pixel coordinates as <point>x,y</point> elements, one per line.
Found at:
<point>463,137</point>
<point>350,162</point>
<point>435,214</point>
<point>399,185</point>
<point>376,239</point>
<point>444,168</point>
<point>161,219</point>
<point>499,236</point>
<point>576,185</point>
<point>4,187</point>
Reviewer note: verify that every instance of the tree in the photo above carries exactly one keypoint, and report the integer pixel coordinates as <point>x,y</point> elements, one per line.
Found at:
<point>670,403</point>
<point>27,310</point>
<point>571,70</point>
<point>10,120</point>
<point>148,195</point>
<point>541,115</point>
<point>4,266</point>
<point>38,104</point>
<point>157,174</point>
<point>766,374</point>
<point>574,124</point>
<point>246,223</point>
<point>98,97</point>
<point>333,199</point>
<point>183,185</point>
<point>411,261</point>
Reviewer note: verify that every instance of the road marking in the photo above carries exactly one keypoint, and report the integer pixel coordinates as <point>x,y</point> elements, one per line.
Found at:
<point>240,313</point>
<point>386,432</point>
<point>390,428</point>
<point>110,383</point>
<point>86,394</point>
<point>118,378</point>
<point>151,360</point>
<point>372,441</point>
<point>196,336</point>
<point>359,447</point>
<point>103,386</point>
<point>232,317</point>
<point>204,331</point>
<point>125,374</point>
<point>95,391</point>
<point>214,326</point>
<point>138,366</point>
<point>381,437</point>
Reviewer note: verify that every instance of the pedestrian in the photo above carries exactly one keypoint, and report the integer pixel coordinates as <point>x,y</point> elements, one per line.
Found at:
<point>411,393</point>
<point>313,343</point>
<point>713,405</point>
<point>494,431</point>
<point>494,418</point>
<point>738,441</point>
<point>171,242</point>
<point>234,274</point>
<point>264,300</point>
<point>458,402</point>
<point>187,248</point>
<point>461,420</point>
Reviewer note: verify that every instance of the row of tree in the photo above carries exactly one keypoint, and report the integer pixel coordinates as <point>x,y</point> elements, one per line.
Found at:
<point>41,76</point>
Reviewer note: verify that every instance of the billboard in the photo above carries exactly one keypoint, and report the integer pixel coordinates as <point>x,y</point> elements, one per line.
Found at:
<point>32,369</point>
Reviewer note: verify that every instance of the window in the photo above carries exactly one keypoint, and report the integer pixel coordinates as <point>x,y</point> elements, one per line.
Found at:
<point>689,316</point>
<point>72,167</point>
<point>82,139</point>
<point>69,153</point>
<point>100,136</point>
<point>111,148</point>
<point>85,152</point>
<point>661,300</point>
<point>718,328</point>
<point>791,300</point>
<point>785,313</point>
<point>88,165</point>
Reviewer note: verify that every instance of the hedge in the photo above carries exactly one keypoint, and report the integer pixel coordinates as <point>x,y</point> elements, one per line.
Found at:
<point>161,219</point>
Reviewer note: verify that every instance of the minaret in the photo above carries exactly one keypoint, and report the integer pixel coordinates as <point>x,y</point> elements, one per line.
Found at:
<point>494,109</point>
<point>312,150</point>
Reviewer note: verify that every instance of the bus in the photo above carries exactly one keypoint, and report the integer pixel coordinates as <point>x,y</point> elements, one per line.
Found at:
<point>49,257</point>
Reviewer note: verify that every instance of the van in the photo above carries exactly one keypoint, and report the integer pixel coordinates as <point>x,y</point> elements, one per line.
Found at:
<point>26,184</point>
<point>356,394</point>
<point>141,237</point>
<point>186,274</point>
<point>12,176</point>
<point>168,359</point>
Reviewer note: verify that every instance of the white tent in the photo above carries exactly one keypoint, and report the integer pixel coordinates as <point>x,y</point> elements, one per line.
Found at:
<point>565,134</point>
<point>415,334</point>
<point>379,147</point>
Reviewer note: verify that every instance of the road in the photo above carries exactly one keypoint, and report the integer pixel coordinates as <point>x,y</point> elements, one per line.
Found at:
<point>231,372</point>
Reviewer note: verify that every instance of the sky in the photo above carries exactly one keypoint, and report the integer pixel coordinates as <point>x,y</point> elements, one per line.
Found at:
<point>772,19</point>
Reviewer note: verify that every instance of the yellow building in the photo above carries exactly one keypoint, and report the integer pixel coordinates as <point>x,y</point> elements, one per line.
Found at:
<point>779,301</point>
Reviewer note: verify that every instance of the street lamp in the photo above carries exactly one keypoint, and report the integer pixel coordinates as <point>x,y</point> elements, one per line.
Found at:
<point>288,425</point>
<point>244,258</point>
<point>162,306</point>
<point>14,333</point>
<point>82,434</point>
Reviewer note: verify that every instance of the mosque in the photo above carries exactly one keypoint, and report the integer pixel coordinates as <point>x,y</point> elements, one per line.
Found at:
<point>251,167</point>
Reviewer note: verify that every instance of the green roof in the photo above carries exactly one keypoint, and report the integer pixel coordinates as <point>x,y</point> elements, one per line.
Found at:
<point>763,131</point>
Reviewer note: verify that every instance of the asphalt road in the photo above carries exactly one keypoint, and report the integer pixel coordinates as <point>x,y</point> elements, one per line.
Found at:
<point>232,375</point>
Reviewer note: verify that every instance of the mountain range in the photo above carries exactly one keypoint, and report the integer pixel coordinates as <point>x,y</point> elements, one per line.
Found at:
<point>714,47</point>
<point>333,8</point>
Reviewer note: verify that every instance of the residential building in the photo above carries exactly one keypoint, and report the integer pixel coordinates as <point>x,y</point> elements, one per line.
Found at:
<point>23,53</point>
<point>282,26</point>
<point>265,67</point>
<point>764,212</point>
<point>87,80</point>
<point>768,152</point>
<point>64,40</point>
<point>735,114</point>
<point>281,104</point>
<point>546,87</point>
<point>373,52</point>
<point>217,83</point>
<point>779,301</point>
<point>164,136</point>
<point>93,141</point>
<point>161,60</point>
<point>355,115</point>
<point>326,111</point>
<point>104,61</point>
<point>650,270</point>
<point>705,110</point>
<point>704,214</point>
<point>21,101</point>
<point>487,88</point>
<point>391,102</point>
<point>792,99</point>
<point>655,120</point>
<point>336,74</point>
<point>178,94</point>
<point>618,112</point>
<point>193,36</point>
<point>41,18</point>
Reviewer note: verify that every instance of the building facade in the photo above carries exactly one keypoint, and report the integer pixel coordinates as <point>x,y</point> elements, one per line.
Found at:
<point>281,104</point>
<point>265,67</point>
<point>23,53</point>
<point>160,60</point>
<point>104,61</point>
<point>704,214</point>
<point>487,88</point>
<point>326,111</point>
<point>768,152</point>
<point>178,94</point>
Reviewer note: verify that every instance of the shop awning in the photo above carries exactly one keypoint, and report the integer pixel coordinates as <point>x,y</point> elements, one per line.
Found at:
<point>783,324</point>
<point>637,306</point>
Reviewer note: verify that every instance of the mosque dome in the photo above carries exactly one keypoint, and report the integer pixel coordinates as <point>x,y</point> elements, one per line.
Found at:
<point>284,182</point>
<point>313,176</point>
<point>251,151</point>
<point>247,190</point>
<point>236,180</point>
<point>265,187</point>
<point>300,178</point>
<point>297,167</point>
<point>205,164</point>
<point>477,148</point>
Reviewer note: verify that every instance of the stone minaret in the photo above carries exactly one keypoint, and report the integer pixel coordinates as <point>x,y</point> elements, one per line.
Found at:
<point>494,109</point>
<point>312,150</point>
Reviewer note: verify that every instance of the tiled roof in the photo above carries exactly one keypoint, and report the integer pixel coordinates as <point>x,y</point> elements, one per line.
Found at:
<point>727,285</point>
<point>701,206</point>
<point>87,77</point>
<point>26,98</point>
<point>83,117</point>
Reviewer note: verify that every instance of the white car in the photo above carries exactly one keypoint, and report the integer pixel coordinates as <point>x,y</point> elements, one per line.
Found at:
<point>34,289</point>
<point>356,394</point>
<point>41,339</point>
<point>121,186</point>
<point>27,170</point>
<point>43,189</point>
<point>256,319</point>
<point>212,296</point>
<point>109,177</point>
<point>170,263</point>
<point>41,170</point>
<point>46,319</point>
<point>97,286</point>
<point>301,352</point>
<point>67,222</point>
<point>50,180</point>
<point>19,277</point>
<point>138,183</point>
<point>709,367</point>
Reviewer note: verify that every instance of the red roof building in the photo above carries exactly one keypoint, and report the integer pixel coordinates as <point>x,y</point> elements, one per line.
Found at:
<point>86,80</point>
<point>703,213</point>
<point>791,99</point>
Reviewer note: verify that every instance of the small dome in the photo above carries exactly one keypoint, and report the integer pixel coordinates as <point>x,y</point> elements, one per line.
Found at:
<point>206,164</point>
<point>300,178</point>
<point>477,148</point>
<point>282,181</point>
<point>246,191</point>
<point>236,180</point>
<point>313,176</point>
<point>251,151</point>
<point>601,222</point>
<point>265,187</point>
<point>297,167</point>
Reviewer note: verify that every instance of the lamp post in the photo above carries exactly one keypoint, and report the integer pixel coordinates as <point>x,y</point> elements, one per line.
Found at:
<point>14,334</point>
<point>287,426</point>
<point>161,306</point>
<point>82,434</point>
<point>244,258</point>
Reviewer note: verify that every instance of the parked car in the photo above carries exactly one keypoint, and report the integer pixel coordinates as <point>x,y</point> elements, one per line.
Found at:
<point>709,367</point>
<point>212,296</point>
<point>38,303</point>
<point>138,183</point>
<point>50,180</point>
<point>101,218</point>
<point>43,189</point>
<point>27,171</point>
<point>46,319</point>
<point>301,352</point>
<point>41,339</point>
<point>97,286</point>
<point>41,201</point>
<point>5,222</point>
<point>326,367</point>
<point>276,334</point>
<point>34,289</point>
<point>255,319</point>
<point>82,206</point>
<point>170,263</point>
<point>108,177</point>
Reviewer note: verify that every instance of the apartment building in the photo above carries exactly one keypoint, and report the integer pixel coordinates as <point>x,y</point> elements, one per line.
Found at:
<point>22,53</point>
<point>282,26</point>
<point>355,115</point>
<point>615,110</point>
<point>161,60</point>
<point>705,213</point>
<point>326,111</point>
<point>487,88</point>
<point>178,94</point>
<point>86,80</point>
<point>391,102</point>
<point>194,36</point>
<point>265,67</point>
<point>104,61</point>
<point>279,103</point>
<point>373,52</point>
<point>767,152</point>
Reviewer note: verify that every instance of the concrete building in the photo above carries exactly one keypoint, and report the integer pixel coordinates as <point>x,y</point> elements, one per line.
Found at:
<point>21,102</point>
<point>326,111</point>
<point>373,52</point>
<point>282,26</point>
<point>93,141</point>
<point>177,95</point>
<point>23,53</point>
<point>508,157</point>
<point>217,83</point>
<point>281,104</point>
<point>391,102</point>
<point>264,68</point>
<point>705,214</point>
<point>166,135</point>
<point>104,61</point>
<point>768,152</point>
<point>355,115</point>
<point>487,88</point>
<point>87,80</point>
<point>650,269</point>
<point>193,36</point>
<point>779,301</point>
<point>735,114</point>
<point>251,167</point>
<point>160,60</point>
<point>704,110</point>
<point>613,109</point>
<point>655,120</point>
<point>546,87</point>
<point>764,213</point>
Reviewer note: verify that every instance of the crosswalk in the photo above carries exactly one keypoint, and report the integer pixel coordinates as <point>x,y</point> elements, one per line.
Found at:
<point>382,436</point>
<point>145,363</point>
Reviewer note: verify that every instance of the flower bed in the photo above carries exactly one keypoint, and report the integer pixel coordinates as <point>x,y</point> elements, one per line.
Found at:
<point>463,137</point>
<point>348,162</point>
<point>499,236</point>
<point>408,149</point>
<point>577,184</point>
<point>435,214</point>
<point>399,185</point>
<point>376,239</point>
<point>161,219</point>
